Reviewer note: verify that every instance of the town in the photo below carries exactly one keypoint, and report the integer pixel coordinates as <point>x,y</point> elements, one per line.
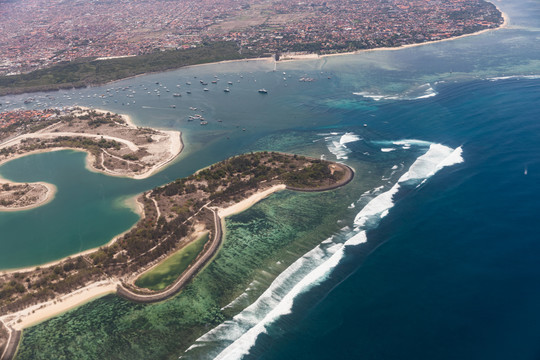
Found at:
<point>36,34</point>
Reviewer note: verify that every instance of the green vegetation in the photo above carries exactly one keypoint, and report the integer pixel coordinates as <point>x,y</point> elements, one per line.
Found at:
<point>169,270</point>
<point>281,228</point>
<point>182,204</point>
<point>84,72</point>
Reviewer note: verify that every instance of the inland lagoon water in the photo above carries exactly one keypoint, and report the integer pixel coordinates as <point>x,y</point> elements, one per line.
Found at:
<point>431,252</point>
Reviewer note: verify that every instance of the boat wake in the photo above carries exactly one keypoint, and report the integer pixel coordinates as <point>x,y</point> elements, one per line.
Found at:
<point>234,338</point>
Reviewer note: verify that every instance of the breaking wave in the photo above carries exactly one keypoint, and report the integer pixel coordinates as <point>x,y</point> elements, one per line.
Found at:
<point>515,77</point>
<point>421,92</point>
<point>240,333</point>
<point>337,144</point>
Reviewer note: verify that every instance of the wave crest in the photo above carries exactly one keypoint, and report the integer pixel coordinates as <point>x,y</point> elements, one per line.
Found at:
<point>241,333</point>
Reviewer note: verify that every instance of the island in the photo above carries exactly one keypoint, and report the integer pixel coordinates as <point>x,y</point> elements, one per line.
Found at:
<point>173,217</point>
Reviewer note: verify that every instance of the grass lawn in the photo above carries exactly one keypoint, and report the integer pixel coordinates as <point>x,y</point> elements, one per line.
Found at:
<point>161,276</point>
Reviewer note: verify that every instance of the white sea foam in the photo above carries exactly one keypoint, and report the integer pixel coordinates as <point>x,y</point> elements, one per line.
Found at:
<point>376,206</point>
<point>376,97</point>
<point>437,157</point>
<point>328,134</point>
<point>405,144</point>
<point>241,333</point>
<point>423,91</point>
<point>340,151</point>
<point>235,329</point>
<point>357,239</point>
<point>337,144</point>
<point>348,138</point>
<point>515,77</point>
<point>409,142</point>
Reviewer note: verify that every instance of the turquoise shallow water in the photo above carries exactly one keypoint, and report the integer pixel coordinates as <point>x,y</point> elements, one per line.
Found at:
<point>448,272</point>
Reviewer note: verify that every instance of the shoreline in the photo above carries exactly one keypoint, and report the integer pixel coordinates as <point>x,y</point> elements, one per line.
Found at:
<point>48,197</point>
<point>38,313</point>
<point>130,202</point>
<point>249,202</point>
<point>174,149</point>
<point>43,311</point>
<point>176,146</point>
<point>61,304</point>
<point>300,57</point>
<point>314,56</point>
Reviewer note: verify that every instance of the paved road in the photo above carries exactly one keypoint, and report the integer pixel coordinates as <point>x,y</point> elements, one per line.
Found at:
<point>185,278</point>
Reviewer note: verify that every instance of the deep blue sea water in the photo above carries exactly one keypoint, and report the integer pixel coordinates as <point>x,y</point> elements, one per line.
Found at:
<point>454,272</point>
<point>448,269</point>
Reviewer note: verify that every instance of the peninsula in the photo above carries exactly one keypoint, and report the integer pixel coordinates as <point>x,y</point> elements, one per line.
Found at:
<point>174,216</point>
<point>115,146</point>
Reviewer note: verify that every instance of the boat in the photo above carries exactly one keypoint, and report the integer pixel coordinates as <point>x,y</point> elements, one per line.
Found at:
<point>176,95</point>
<point>263,91</point>
<point>229,82</point>
<point>204,122</point>
<point>205,89</point>
<point>189,92</point>
<point>172,106</point>
<point>227,90</point>
<point>188,83</point>
<point>214,81</point>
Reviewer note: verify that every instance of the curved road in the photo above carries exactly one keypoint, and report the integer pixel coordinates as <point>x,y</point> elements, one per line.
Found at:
<point>186,276</point>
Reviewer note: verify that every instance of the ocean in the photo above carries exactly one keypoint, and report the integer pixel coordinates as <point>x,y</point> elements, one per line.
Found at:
<point>431,252</point>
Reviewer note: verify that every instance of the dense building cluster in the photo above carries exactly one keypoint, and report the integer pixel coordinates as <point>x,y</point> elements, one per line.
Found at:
<point>9,119</point>
<point>38,33</point>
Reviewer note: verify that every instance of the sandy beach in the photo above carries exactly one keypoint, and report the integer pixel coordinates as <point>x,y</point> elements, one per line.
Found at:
<point>300,57</point>
<point>164,151</point>
<point>174,148</point>
<point>249,202</point>
<point>43,311</point>
<point>131,203</point>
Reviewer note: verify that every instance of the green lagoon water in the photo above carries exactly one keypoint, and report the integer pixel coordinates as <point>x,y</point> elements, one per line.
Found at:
<point>88,210</point>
